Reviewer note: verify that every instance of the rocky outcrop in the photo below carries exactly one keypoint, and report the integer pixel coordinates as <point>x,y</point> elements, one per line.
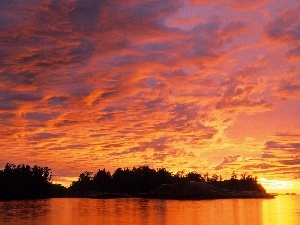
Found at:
<point>197,190</point>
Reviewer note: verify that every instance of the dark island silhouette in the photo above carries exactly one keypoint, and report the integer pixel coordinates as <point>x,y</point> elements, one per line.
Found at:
<point>25,182</point>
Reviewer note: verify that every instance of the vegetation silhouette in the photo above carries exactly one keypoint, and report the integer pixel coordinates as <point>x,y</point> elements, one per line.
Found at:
<point>25,182</point>
<point>143,179</point>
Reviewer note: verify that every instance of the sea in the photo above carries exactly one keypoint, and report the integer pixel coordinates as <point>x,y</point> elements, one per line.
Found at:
<point>282,210</point>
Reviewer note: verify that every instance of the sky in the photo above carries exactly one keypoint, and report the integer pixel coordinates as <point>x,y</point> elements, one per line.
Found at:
<point>203,86</point>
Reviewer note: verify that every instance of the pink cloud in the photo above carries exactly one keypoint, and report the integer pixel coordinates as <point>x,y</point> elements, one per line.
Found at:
<point>285,26</point>
<point>289,89</point>
<point>236,5</point>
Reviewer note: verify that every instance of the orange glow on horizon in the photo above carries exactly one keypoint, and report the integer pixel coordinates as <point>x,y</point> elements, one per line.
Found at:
<point>280,186</point>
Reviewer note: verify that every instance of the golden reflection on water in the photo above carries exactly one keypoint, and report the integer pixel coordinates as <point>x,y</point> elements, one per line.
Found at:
<point>145,211</point>
<point>281,210</point>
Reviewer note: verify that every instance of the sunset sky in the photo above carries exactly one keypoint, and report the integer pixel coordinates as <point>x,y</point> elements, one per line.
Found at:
<point>205,86</point>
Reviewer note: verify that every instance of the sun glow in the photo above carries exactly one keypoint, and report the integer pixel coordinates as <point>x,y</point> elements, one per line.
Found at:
<point>279,186</point>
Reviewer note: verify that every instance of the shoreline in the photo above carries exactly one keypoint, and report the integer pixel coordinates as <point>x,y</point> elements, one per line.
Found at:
<point>177,191</point>
<point>188,191</point>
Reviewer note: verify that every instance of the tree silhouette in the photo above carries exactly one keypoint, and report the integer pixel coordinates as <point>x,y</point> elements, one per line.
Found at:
<point>206,177</point>
<point>233,176</point>
<point>143,179</point>
<point>243,176</point>
<point>193,176</point>
<point>22,181</point>
<point>214,178</point>
<point>102,180</point>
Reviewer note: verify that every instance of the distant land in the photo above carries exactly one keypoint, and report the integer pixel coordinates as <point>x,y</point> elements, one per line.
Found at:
<point>283,193</point>
<point>26,182</point>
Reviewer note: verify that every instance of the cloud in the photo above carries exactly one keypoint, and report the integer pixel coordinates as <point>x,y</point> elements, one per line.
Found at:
<point>235,5</point>
<point>227,160</point>
<point>238,95</point>
<point>25,78</point>
<point>285,30</point>
<point>85,15</point>
<point>7,105</point>
<point>11,100</point>
<point>289,89</point>
<point>267,156</point>
<point>295,52</point>
<point>287,135</point>
<point>283,146</point>
<point>158,144</point>
<point>290,162</point>
<point>27,96</point>
<point>6,116</point>
<point>40,116</point>
<point>57,101</point>
<point>262,166</point>
<point>44,135</point>
<point>285,26</point>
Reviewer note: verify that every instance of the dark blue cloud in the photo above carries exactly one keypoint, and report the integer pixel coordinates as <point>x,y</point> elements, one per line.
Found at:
<point>85,15</point>
<point>8,105</point>
<point>10,100</point>
<point>27,96</point>
<point>285,25</point>
<point>40,116</point>
<point>6,116</point>
<point>45,135</point>
<point>57,101</point>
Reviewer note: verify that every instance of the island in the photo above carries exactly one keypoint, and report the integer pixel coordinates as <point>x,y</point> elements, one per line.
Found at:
<point>26,182</point>
<point>146,182</point>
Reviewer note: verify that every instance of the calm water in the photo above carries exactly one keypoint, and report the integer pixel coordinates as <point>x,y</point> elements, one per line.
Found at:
<point>281,210</point>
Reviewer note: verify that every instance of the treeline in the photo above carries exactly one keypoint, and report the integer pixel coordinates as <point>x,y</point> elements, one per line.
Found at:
<point>144,179</point>
<point>25,182</point>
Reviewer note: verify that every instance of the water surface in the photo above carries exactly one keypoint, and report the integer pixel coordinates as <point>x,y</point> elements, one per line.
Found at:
<point>281,210</point>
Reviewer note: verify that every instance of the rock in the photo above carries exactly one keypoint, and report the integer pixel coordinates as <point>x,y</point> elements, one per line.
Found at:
<point>197,190</point>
